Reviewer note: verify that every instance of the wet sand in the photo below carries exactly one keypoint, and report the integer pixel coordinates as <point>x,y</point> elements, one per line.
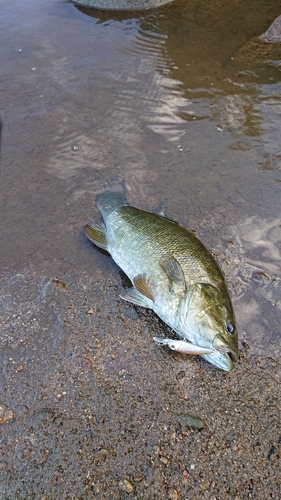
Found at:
<point>170,102</point>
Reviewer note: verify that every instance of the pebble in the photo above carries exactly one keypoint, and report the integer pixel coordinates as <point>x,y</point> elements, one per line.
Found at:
<point>131,313</point>
<point>138,478</point>
<point>126,486</point>
<point>5,415</point>
<point>173,494</point>
<point>3,475</point>
<point>102,454</point>
<point>191,421</point>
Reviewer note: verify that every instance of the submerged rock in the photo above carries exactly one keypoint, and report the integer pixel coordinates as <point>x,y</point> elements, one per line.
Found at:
<point>123,4</point>
<point>273,34</point>
<point>260,49</point>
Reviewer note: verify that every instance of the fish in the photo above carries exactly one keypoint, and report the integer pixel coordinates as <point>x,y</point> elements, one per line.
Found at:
<point>172,273</point>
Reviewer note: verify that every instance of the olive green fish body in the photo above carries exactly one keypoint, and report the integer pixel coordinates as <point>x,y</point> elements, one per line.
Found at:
<point>142,242</point>
<point>153,238</point>
<point>172,273</point>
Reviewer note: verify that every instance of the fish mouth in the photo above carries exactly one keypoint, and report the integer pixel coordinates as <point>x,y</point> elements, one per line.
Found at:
<point>233,356</point>
<point>220,346</point>
<point>223,356</point>
<point>229,358</point>
<point>222,359</point>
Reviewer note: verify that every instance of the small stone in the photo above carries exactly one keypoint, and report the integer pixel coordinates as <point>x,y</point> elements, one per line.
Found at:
<point>101,455</point>
<point>131,313</point>
<point>5,415</point>
<point>97,485</point>
<point>126,486</point>
<point>3,475</point>
<point>191,421</point>
<point>91,311</point>
<point>59,283</point>
<point>173,494</point>
<point>173,436</point>
<point>164,460</point>
<point>138,478</point>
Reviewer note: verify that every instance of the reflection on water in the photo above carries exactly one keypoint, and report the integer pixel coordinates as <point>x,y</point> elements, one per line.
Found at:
<point>145,84</point>
<point>254,261</point>
<point>261,240</point>
<point>269,110</point>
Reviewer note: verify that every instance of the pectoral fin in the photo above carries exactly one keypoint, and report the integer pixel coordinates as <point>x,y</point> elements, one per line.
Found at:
<point>174,272</point>
<point>142,285</point>
<point>96,235</point>
<point>137,298</point>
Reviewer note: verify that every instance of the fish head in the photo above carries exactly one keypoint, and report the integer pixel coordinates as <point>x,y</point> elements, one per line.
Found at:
<point>207,319</point>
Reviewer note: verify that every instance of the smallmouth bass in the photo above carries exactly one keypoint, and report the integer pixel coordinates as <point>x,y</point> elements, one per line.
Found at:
<point>173,274</point>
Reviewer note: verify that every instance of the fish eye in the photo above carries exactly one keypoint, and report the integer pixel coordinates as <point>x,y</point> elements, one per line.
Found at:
<point>229,328</point>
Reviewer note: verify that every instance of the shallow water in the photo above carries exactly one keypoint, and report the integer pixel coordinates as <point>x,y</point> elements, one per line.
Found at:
<point>183,103</point>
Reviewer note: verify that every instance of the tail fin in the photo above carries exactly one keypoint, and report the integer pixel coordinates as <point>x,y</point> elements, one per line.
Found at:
<point>111,199</point>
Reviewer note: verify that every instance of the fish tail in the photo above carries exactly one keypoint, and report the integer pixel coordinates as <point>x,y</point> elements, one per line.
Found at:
<point>111,199</point>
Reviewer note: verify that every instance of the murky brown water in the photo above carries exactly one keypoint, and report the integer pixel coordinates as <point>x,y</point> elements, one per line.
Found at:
<point>183,103</point>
